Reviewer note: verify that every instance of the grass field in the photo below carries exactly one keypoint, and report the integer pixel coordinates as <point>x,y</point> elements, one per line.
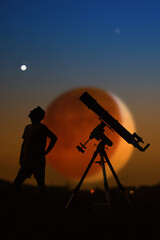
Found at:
<point>87,217</point>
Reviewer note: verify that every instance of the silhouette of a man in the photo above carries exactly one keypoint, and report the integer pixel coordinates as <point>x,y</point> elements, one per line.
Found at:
<point>33,151</point>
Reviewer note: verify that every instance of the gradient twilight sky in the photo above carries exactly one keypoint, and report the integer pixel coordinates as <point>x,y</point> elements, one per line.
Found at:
<point>112,45</point>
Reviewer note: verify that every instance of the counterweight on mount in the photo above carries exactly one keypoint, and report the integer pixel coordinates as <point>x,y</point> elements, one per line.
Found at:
<point>104,115</point>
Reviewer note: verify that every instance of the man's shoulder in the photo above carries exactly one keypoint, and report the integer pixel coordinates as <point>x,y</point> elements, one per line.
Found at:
<point>27,126</point>
<point>26,130</point>
<point>48,132</point>
<point>43,126</point>
<point>39,125</point>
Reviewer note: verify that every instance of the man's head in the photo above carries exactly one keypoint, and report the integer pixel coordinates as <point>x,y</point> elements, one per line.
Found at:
<point>37,114</point>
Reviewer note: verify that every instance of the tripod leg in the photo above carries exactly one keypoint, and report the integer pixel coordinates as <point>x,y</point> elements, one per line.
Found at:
<point>75,191</point>
<point>117,180</point>
<point>105,181</point>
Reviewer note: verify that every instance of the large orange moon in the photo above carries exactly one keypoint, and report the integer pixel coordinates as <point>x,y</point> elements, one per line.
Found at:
<point>73,122</point>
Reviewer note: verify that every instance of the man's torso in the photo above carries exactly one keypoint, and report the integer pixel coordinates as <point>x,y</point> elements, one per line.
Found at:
<point>35,136</point>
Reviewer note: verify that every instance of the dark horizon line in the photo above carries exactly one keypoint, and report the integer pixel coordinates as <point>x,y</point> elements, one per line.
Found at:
<point>131,187</point>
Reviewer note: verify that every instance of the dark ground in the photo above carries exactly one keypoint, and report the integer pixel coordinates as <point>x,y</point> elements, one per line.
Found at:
<point>86,218</point>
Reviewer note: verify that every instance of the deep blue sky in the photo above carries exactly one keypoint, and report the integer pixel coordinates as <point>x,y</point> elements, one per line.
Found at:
<point>113,45</point>
<point>75,41</point>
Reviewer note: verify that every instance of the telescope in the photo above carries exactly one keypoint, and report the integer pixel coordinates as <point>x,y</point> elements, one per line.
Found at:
<point>108,120</point>
<point>98,133</point>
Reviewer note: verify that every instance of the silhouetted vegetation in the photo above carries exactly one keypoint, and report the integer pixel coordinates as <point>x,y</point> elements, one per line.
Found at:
<point>86,218</point>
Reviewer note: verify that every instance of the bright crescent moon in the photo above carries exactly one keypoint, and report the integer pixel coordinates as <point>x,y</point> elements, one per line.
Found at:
<point>124,150</point>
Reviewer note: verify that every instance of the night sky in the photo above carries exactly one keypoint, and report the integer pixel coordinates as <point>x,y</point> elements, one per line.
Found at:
<point>111,45</point>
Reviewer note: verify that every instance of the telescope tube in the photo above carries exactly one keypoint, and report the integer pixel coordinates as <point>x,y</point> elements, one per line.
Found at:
<point>92,104</point>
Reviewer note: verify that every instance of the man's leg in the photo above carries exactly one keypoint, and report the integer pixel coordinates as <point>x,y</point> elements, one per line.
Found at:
<point>22,175</point>
<point>40,178</point>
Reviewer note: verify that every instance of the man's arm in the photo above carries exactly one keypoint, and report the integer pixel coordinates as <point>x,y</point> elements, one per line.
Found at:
<point>53,139</point>
<point>21,155</point>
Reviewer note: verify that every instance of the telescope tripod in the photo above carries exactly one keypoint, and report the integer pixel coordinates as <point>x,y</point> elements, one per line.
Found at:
<point>103,159</point>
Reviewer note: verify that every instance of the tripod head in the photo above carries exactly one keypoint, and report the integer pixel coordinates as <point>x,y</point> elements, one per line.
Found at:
<point>98,134</point>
